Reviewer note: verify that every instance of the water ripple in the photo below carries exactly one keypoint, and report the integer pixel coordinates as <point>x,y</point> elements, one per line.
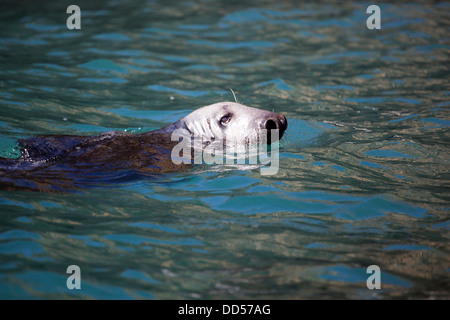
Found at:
<point>363,165</point>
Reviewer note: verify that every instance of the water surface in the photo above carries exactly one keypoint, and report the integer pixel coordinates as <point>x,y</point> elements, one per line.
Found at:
<point>364,167</point>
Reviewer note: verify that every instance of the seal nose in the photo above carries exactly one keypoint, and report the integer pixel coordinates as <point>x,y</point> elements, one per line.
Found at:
<point>276,122</point>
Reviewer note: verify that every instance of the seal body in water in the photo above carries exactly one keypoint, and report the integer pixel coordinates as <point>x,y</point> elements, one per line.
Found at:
<point>62,162</point>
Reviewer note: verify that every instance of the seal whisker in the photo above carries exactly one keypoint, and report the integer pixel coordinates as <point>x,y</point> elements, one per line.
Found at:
<point>235,99</point>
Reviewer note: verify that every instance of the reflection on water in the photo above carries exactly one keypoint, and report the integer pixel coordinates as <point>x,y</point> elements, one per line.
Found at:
<point>363,173</point>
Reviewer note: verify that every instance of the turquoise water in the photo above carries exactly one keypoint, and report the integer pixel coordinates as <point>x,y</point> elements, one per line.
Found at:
<point>364,168</point>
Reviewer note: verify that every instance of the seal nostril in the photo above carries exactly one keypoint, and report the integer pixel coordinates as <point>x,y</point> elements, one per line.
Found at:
<point>283,122</point>
<point>271,124</point>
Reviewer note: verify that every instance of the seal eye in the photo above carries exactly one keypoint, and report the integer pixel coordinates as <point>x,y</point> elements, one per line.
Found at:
<point>225,119</point>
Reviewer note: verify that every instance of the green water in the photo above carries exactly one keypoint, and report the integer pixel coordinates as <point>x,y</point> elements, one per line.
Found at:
<point>364,169</point>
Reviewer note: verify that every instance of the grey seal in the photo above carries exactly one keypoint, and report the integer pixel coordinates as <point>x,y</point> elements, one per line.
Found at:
<point>63,162</point>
